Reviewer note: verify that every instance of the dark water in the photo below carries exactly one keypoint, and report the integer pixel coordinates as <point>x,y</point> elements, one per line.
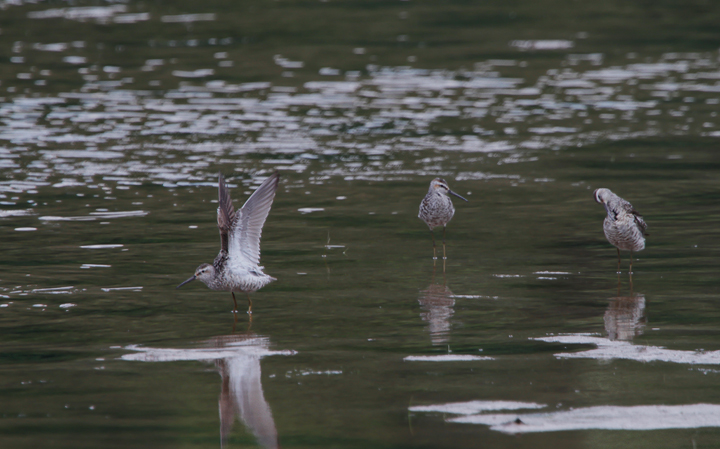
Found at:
<point>116,117</point>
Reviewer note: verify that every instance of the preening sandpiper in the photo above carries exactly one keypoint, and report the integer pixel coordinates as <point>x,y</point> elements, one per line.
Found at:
<point>624,227</point>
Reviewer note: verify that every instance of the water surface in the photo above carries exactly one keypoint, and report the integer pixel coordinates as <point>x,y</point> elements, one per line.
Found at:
<point>116,118</point>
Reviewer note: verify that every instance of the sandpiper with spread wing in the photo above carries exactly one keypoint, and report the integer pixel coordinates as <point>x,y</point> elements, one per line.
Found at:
<point>236,268</point>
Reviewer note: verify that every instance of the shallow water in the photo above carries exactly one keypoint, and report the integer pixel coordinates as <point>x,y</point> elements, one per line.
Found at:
<point>116,118</point>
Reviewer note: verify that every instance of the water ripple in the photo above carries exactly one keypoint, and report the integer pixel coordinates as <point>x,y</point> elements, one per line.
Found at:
<point>391,109</point>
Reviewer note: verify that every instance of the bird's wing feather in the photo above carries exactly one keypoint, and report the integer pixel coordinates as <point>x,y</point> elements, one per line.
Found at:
<point>249,220</point>
<point>225,213</point>
<point>639,221</point>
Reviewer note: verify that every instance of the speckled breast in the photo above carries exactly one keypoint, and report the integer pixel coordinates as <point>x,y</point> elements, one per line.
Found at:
<point>436,210</point>
<point>624,234</point>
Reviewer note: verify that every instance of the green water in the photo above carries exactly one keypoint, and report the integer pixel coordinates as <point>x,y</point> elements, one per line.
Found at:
<point>108,171</point>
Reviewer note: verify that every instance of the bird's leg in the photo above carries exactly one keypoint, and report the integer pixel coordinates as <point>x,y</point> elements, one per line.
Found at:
<point>444,256</point>
<point>630,266</point>
<point>235,301</point>
<point>618,250</point>
<point>434,250</point>
<point>444,266</point>
<point>249,304</point>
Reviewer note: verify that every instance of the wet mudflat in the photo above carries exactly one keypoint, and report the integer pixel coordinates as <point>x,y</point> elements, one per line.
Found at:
<point>116,118</point>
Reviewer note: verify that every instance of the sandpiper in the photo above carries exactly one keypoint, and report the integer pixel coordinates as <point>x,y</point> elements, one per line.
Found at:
<point>436,209</point>
<point>624,227</point>
<point>235,268</point>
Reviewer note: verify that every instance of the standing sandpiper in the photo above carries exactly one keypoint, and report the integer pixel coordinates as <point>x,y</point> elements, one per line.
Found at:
<point>624,227</point>
<point>235,268</point>
<point>437,209</point>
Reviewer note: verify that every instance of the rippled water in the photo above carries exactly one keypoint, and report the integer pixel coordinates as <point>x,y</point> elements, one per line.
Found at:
<point>116,118</point>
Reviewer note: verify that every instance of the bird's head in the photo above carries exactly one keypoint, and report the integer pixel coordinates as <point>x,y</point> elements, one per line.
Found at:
<point>441,186</point>
<point>602,195</point>
<point>204,273</point>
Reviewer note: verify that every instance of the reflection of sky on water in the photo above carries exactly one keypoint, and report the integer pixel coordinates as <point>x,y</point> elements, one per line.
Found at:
<point>237,358</point>
<point>446,358</point>
<point>615,349</point>
<point>472,407</point>
<point>625,319</point>
<point>128,135</point>
<point>640,417</point>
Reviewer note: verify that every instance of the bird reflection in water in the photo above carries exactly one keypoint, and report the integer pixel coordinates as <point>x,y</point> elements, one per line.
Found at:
<point>437,302</point>
<point>241,393</point>
<point>237,358</point>
<point>625,316</point>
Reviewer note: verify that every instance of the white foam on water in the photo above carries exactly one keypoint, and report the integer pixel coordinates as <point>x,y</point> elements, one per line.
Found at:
<point>85,154</point>
<point>307,210</point>
<point>446,358</point>
<point>114,289</point>
<point>543,44</point>
<point>75,59</point>
<point>552,130</point>
<point>616,349</point>
<point>56,47</point>
<point>256,347</point>
<point>53,290</point>
<point>308,372</point>
<point>14,213</point>
<point>472,407</point>
<point>131,18</point>
<point>199,73</point>
<point>189,18</point>
<point>97,216</point>
<point>120,214</point>
<point>641,417</point>
<point>99,13</point>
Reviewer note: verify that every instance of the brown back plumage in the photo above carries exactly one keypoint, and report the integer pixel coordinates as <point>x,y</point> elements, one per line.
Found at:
<point>225,213</point>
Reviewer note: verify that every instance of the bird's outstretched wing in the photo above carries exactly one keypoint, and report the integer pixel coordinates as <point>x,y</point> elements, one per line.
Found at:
<point>225,213</point>
<point>244,244</point>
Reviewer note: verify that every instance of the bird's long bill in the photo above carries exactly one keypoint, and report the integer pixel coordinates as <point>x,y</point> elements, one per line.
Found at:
<point>189,280</point>
<point>453,193</point>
